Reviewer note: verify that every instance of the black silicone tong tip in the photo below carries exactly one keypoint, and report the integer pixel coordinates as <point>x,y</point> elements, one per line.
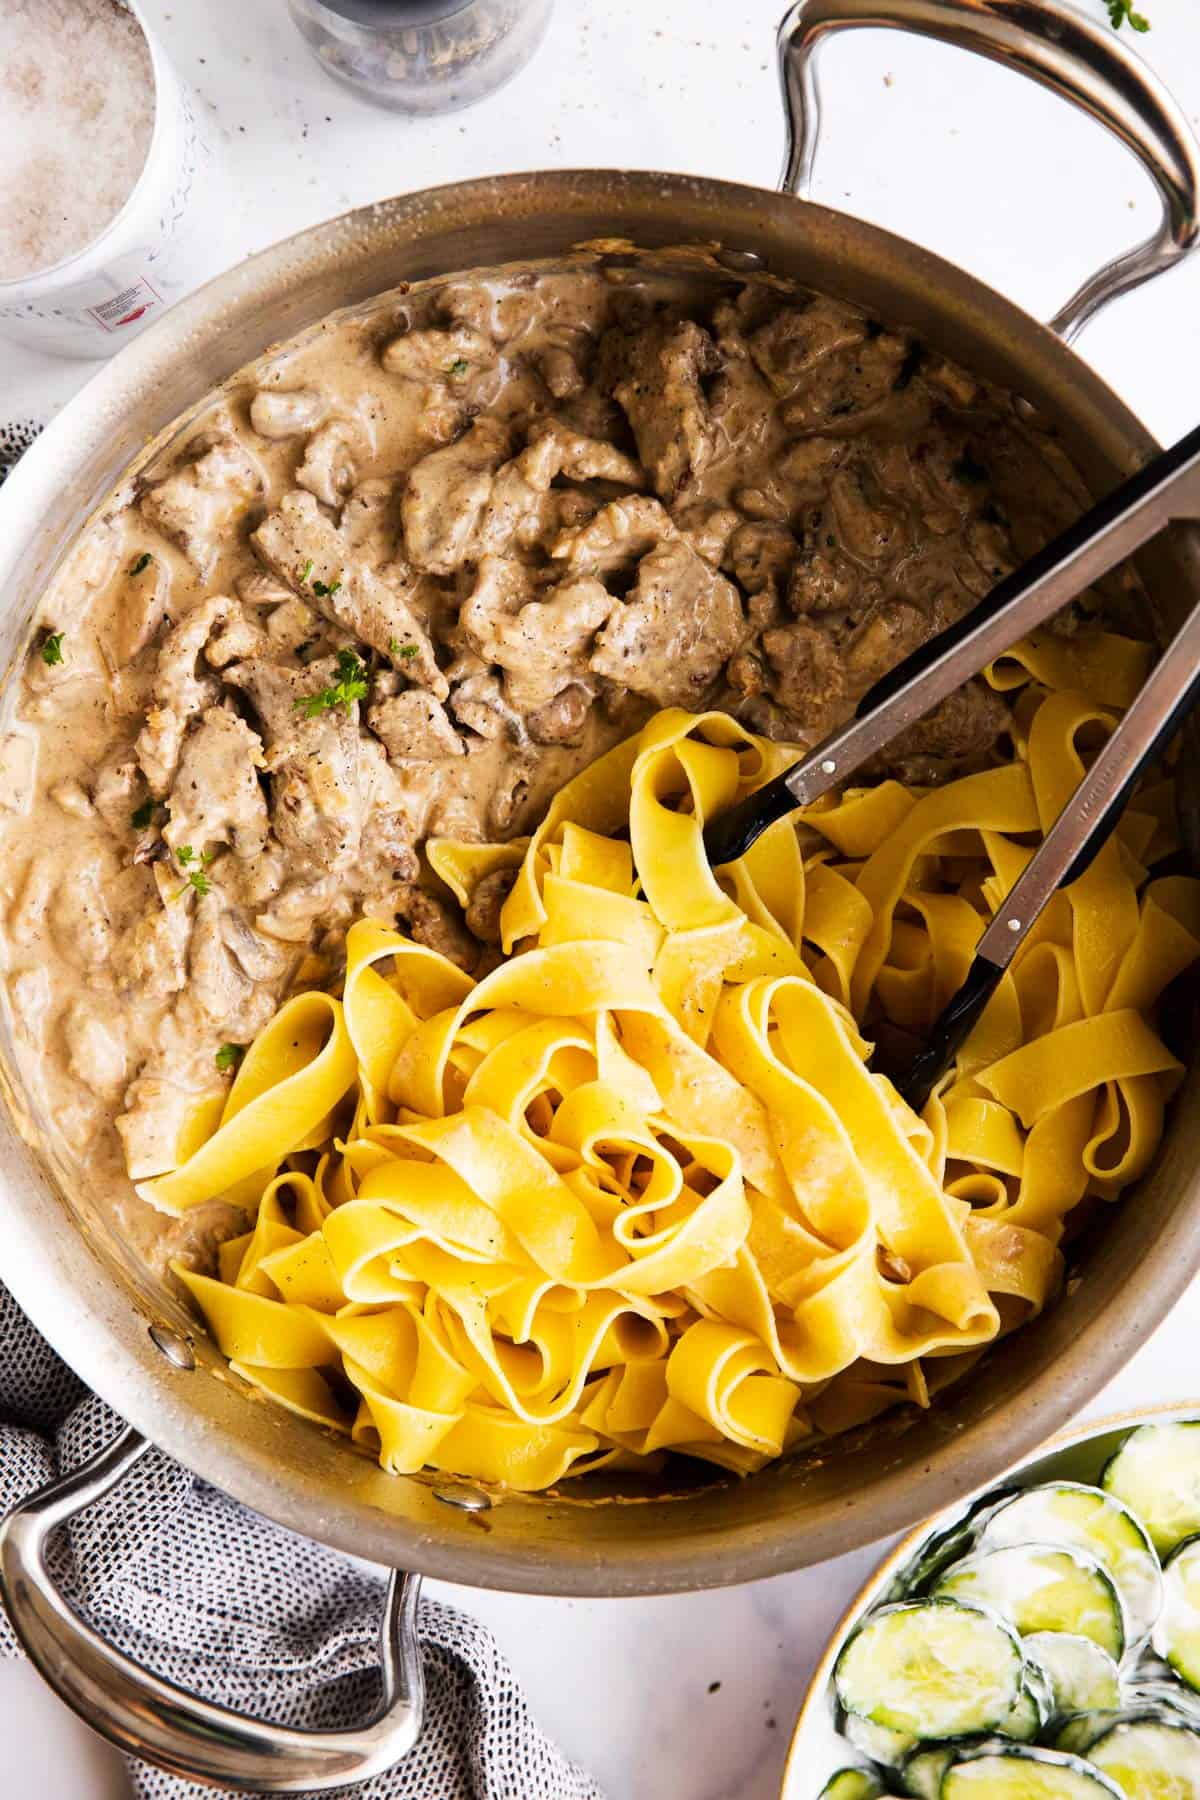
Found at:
<point>951,1029</point>
<point>731,833</point>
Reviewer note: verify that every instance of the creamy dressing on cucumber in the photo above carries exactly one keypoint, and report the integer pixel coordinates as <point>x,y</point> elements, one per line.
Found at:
<point>1099,1729</point>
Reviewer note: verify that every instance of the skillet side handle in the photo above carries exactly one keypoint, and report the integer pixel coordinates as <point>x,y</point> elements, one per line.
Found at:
<point>1075,57</point>
<point>151,1718</point>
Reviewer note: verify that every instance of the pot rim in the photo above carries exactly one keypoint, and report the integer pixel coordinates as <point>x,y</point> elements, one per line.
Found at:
<point>869,1591</point>
<point>47,1267</point>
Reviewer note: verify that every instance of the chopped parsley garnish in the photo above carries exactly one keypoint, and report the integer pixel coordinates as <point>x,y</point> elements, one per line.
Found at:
<point>184,855</point>
<point>319,588</point>
<point>967,469</point>
<point>304,573</point>
<point>196,878</point>
<point>142,817</point>
<point>52,650</point>
<point>1120,10</point>
<point>229,1056</point>
<point>459,366</point>
<point>141,565</point>
<point>405,652</point>
<point>350,686</point>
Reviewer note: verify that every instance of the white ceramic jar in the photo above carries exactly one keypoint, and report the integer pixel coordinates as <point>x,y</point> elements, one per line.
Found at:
<point>165,240</point>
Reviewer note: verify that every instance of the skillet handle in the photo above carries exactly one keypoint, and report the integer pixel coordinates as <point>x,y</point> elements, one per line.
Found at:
<point>1081,60</point>
<point>151,1718</point>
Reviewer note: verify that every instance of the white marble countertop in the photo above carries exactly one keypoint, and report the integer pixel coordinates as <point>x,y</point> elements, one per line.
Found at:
<point>960,156</point>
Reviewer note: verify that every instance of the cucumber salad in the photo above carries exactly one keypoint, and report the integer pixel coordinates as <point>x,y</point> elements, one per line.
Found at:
<point>1046,1645</point>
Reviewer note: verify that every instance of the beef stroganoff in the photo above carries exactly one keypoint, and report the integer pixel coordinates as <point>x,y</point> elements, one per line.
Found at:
<point>395,605</point>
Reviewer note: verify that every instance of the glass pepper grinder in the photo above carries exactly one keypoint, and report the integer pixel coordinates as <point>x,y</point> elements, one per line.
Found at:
<point>422,56</point>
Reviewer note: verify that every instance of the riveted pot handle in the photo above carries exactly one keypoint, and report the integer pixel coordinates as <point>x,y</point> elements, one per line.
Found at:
<point>1083,61</point>
<point>164,1724</point>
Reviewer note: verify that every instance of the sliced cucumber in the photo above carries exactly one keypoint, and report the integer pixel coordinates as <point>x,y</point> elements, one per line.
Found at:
<point>1153,1696</point>
<point>922,1774</point>
<point>1150,1759</point>
<point>852,1784</point>
<point>1156,1471</point>
<point>939,1551</point>
<point>1030,1711</point>
<point>1068,1513</point>
<point>1082,1676</point>
<point>1083,1730</point>
<point>883,1746</point>
<point>1015,1772</point>
<point>1177,1636</point>
<point>1042,1587</point>
<point>934,1668</point>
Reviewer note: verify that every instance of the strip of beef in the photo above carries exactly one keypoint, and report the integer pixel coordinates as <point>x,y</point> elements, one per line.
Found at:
<point>446,494</point>
<point>316,797</point>
<point>431,355</point>
<point>541,644</point>
<point>235,1003</point>
<point>618,536</point>
<point>656,376</point>
<point>141,610</point>
<point>438,926</point>
<point>681,622</point>
<point>370,521</point>
<point>487,902</point>
<point>789,347</point>
<point>563,719</point>
<point>150,962</point>
<point>331,459</point>
<point>299,545</point>
<point>155,1113</point>
<point>800,670</point>
<point>413,725</point>
<point>216,798</point>
<point>504,506</point>
<point>197,507</point>
<point>179,690</point>
<point>708,527</point>
<point>850,388</point>
<point>760,556</point>
<point>959,732</point>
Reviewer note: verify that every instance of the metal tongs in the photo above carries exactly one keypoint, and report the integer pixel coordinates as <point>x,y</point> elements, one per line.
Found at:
<point>1167,489</point>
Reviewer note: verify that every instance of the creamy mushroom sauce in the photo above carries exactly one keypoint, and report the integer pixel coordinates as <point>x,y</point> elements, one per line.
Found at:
<point>526,509</point>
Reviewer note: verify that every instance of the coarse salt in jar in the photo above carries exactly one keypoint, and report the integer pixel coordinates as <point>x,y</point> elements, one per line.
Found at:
<point>107,213</point>
<point>422,56</point>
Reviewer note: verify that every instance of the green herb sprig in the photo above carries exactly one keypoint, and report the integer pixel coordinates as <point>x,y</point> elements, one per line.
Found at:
<point>229,1056</point>
<point>350,686</point>
<point>52,648</point>
<point>1120,10</point>
<point>196,877</point>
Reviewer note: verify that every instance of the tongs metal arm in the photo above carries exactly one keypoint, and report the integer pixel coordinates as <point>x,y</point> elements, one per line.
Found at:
<point>1068,848</point>
<point>1167,488</point>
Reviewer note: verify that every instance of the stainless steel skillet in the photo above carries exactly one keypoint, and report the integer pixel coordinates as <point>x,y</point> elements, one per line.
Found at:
<point>128,1338</point>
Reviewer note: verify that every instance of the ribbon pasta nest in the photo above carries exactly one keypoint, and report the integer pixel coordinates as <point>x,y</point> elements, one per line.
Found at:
<point>636,1190</point>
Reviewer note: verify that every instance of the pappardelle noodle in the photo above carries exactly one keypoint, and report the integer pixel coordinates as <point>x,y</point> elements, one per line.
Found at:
<point>635,1190</point>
